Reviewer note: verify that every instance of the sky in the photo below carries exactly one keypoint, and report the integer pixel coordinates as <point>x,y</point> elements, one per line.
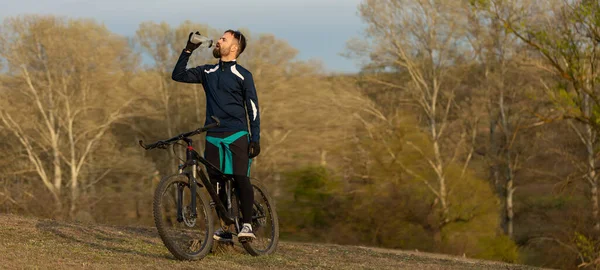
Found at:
<point>318,29</point>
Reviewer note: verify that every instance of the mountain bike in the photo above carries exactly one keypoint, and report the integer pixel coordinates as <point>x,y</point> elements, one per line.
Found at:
<point>185,209</point>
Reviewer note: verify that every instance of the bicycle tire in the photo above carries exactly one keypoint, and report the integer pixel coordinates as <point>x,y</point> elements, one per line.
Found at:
<point>203,208</point>
<point>269,205</point>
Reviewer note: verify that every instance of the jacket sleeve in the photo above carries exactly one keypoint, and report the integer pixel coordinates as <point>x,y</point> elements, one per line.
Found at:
<point>182,74</point>
<point>253,108</point>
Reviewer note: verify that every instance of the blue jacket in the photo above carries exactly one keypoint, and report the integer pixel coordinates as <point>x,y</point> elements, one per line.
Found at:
<point>228,86</point>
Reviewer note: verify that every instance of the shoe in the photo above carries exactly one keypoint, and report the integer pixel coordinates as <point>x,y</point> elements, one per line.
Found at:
<point>222,235</point>
<point>246,232</point>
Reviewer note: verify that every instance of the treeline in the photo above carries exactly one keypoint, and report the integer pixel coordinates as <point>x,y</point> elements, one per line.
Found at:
<point>472,128</point>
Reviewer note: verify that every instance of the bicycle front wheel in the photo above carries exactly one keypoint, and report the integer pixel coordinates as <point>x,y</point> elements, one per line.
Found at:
<point>186,236</point>
<point>265,223</point>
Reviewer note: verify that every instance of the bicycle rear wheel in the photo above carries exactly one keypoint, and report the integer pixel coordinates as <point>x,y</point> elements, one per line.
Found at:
<point>265,223</point>
<point>186,237</point>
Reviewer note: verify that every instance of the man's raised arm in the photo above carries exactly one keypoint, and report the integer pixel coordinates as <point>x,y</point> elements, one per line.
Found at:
<point>183,74</point>
<point>180,72</point>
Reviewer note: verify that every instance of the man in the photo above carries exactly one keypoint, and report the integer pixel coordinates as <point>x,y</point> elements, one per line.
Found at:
<point>230,94</point>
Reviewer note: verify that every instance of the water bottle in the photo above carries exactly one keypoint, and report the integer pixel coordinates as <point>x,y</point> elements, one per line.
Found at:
<point>198,38</point>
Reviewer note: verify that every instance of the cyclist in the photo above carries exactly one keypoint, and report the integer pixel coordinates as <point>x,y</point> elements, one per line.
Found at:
<point>230,94</point>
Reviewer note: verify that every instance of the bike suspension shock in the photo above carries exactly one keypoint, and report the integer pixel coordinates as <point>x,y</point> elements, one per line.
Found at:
<point>193,187</point>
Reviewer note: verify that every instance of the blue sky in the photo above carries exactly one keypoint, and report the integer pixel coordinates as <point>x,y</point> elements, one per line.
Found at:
<point>319,29</point>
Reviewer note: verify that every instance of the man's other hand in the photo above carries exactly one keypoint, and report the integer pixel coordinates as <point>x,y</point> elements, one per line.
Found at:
<point>253,149</point>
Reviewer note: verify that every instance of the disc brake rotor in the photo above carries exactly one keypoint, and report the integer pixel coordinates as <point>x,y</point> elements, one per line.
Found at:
<point>187,219</point>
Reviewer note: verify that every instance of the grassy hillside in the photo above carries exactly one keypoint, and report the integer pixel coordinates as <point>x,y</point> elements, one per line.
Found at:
<point>29,243</point>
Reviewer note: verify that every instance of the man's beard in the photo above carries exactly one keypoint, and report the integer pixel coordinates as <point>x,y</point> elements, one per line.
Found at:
<point>217,52</point>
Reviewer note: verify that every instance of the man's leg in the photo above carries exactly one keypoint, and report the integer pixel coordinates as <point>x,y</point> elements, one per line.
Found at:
<point>239,150</point>
<point>246,193</point>
<point>214,155</point>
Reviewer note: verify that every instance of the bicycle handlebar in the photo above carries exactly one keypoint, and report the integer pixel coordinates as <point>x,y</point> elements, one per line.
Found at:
<point>164,143</point>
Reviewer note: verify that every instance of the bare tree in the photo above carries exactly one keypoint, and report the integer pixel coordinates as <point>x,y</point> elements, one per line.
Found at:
<point>422,40</point>
<point>566,37</point>
<point>63,98</point>
<point>502,79</point>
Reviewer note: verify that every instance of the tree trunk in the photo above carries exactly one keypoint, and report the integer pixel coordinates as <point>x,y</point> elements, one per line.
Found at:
<point>594,194</point>
<point>200,145</point>
<point>508,163</point>
<point>591,176</point>
<point>439,168</point>
<point>167,106</point>
<point>509,205</point>
<point>591,162</point>
<point>57,175</point>
<point>74,194</point>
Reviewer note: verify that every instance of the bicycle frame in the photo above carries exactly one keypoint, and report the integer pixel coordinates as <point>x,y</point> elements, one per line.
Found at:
<point>192,159</point>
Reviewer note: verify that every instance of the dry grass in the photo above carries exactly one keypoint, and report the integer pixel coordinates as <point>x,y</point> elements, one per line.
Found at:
<point>29,243</point>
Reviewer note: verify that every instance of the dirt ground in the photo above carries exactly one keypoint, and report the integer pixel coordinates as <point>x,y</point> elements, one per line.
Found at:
<point>29,243</point>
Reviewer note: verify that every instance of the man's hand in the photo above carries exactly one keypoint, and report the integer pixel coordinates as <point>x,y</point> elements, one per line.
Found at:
<point>190,47</point>
<point>253,149</point>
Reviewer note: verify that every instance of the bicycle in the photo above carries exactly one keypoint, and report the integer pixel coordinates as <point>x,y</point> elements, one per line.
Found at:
<point>191,236</point>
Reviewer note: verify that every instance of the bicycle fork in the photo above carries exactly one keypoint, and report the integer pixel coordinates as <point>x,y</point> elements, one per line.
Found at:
<point>179,197</point>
